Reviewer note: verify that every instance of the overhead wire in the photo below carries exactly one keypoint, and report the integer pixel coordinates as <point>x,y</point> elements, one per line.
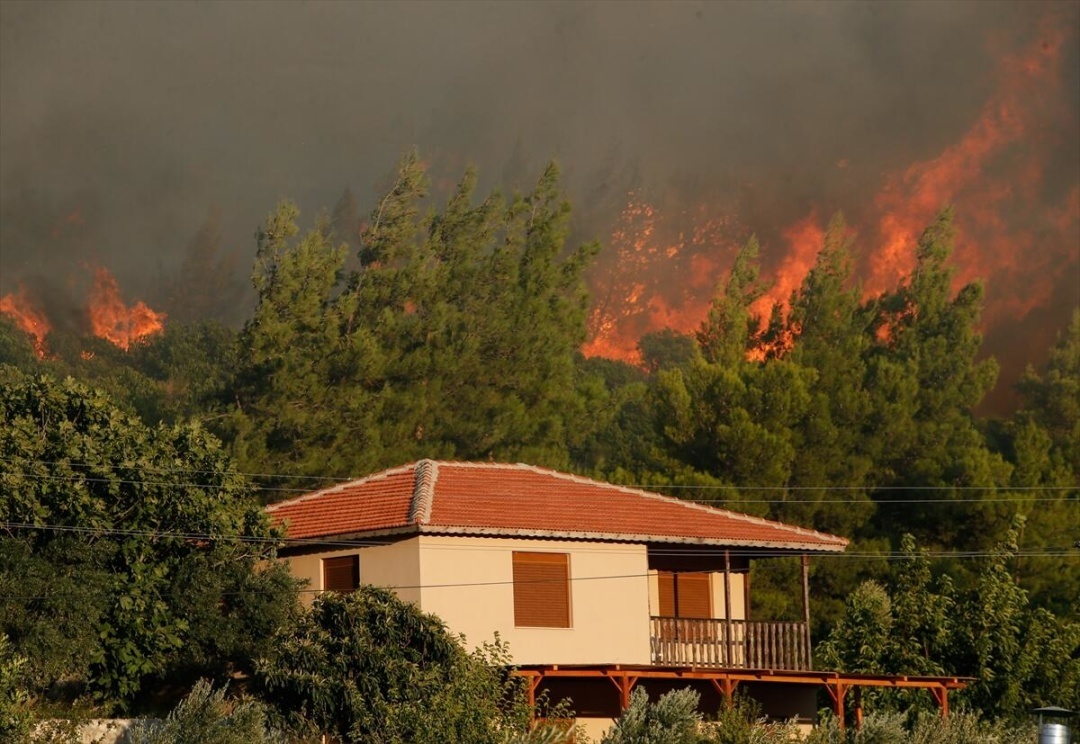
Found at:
<point>729,488</point>
<point>672,549</point>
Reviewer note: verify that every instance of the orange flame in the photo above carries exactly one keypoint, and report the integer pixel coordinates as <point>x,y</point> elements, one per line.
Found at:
<point>649,258</point>
<point>29,318</point>
<point>965,174</point>
<point>114,321</point>
<point>994,175</point>
<point>805,239</point>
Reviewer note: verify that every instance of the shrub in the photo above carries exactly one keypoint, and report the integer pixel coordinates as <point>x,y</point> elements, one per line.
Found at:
<point>369,667</point>
<point>15,717</point>
<point>673,719</point>
<point>206,717</point>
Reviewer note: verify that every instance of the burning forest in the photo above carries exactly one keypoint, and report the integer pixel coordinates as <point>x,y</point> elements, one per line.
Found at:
<point>1018,221</point>
<point>104,315</point>
<point>886,114</point>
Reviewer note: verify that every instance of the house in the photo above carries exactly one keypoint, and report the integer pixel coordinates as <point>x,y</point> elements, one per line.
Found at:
<point>595,587</point>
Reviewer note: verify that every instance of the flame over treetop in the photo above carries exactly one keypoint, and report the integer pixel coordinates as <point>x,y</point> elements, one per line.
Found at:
<point>31,319</point>
<point>995,175</point>
<point>114,321</point>
<point>109,317</point>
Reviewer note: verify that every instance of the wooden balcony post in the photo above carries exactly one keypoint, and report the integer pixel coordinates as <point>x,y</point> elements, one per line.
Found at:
<point>806,604</point>
<point>727,607</point>
<point>725,685</point>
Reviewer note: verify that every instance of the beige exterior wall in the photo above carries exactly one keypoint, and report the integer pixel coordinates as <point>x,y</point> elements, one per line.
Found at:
<point>395,565</point>
<point>609,617</point>
<point>468,583</point>
<point>738,595</point>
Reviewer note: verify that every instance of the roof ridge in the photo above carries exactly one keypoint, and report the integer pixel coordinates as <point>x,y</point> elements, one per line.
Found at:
<point>427,473</point>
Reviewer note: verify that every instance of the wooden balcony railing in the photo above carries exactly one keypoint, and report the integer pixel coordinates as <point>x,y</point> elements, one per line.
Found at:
<point>738,644</point>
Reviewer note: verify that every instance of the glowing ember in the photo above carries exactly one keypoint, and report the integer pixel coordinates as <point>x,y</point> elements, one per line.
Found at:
<point>30,319</point>
<point>114,321</point>
<point>658,276</point>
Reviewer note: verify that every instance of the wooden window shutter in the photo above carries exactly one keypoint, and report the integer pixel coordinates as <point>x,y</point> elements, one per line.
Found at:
<point>341,574</point>
<point>667,593</point>
<point>695,595</point>
<point>541,590</point>
<point>690,591</point>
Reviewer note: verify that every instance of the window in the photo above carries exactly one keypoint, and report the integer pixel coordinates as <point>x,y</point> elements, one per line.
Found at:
<point>341,574</point>
<point>542,590</point>
<point>685,594</point>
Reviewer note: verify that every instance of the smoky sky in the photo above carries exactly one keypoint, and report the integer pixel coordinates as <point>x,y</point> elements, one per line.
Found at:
<point>122,125</point>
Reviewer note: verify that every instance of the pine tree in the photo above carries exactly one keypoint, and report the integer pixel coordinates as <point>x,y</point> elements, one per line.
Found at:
<point>926,380</point>
<point>730,328</point>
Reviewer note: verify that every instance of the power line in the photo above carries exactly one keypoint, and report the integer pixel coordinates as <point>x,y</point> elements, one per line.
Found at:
<point>642,486</point>
<point>505,582</point>
<point>673,550</point>
<point>707,502</point>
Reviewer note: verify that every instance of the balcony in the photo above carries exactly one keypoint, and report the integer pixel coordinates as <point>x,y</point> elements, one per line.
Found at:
<point>730,644</point>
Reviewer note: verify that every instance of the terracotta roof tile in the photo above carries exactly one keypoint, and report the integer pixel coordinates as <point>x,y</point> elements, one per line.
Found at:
<point>501,499</point>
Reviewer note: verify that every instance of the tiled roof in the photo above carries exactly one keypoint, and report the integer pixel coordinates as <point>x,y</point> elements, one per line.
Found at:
<point>522,500</point>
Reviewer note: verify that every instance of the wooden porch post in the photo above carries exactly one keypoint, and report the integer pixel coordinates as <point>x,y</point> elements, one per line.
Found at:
<point>806,604</point>
<point>746,593</point>
<point>727,608</point>
<point>836,692</point>
<point>532,681</point>
<point>726,687</point>
<point>858,709</point>
<point>941,695</point>
<point>624,683</point>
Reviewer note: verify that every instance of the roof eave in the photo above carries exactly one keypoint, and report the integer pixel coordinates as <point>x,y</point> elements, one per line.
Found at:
<point>364,538</point>
<point>633,538</point>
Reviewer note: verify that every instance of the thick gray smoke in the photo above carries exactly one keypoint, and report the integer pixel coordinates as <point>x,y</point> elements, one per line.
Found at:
<point>125,124</point>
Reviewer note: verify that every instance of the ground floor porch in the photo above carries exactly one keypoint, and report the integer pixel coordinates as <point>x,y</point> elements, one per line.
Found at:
<point>603,691</point>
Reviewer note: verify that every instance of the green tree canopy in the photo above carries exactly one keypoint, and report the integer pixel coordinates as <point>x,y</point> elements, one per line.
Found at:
<point>369,667</point>
<point>128,552</point>
<point>456,337</point>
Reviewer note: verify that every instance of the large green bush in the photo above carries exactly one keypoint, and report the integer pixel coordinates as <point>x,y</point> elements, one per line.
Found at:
<point>368,667</point>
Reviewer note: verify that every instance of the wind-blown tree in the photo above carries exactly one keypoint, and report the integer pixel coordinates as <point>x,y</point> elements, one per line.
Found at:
<point>1043,444</point>
<point>127,552</point>
<point>1020,656</point>
<point>730,329</point>
<point>1052,396</point>
<point>926,380</point>
<point>828,324</point>
<point>722,414</point>
<point>302,405</point>
<point>455,338</point>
